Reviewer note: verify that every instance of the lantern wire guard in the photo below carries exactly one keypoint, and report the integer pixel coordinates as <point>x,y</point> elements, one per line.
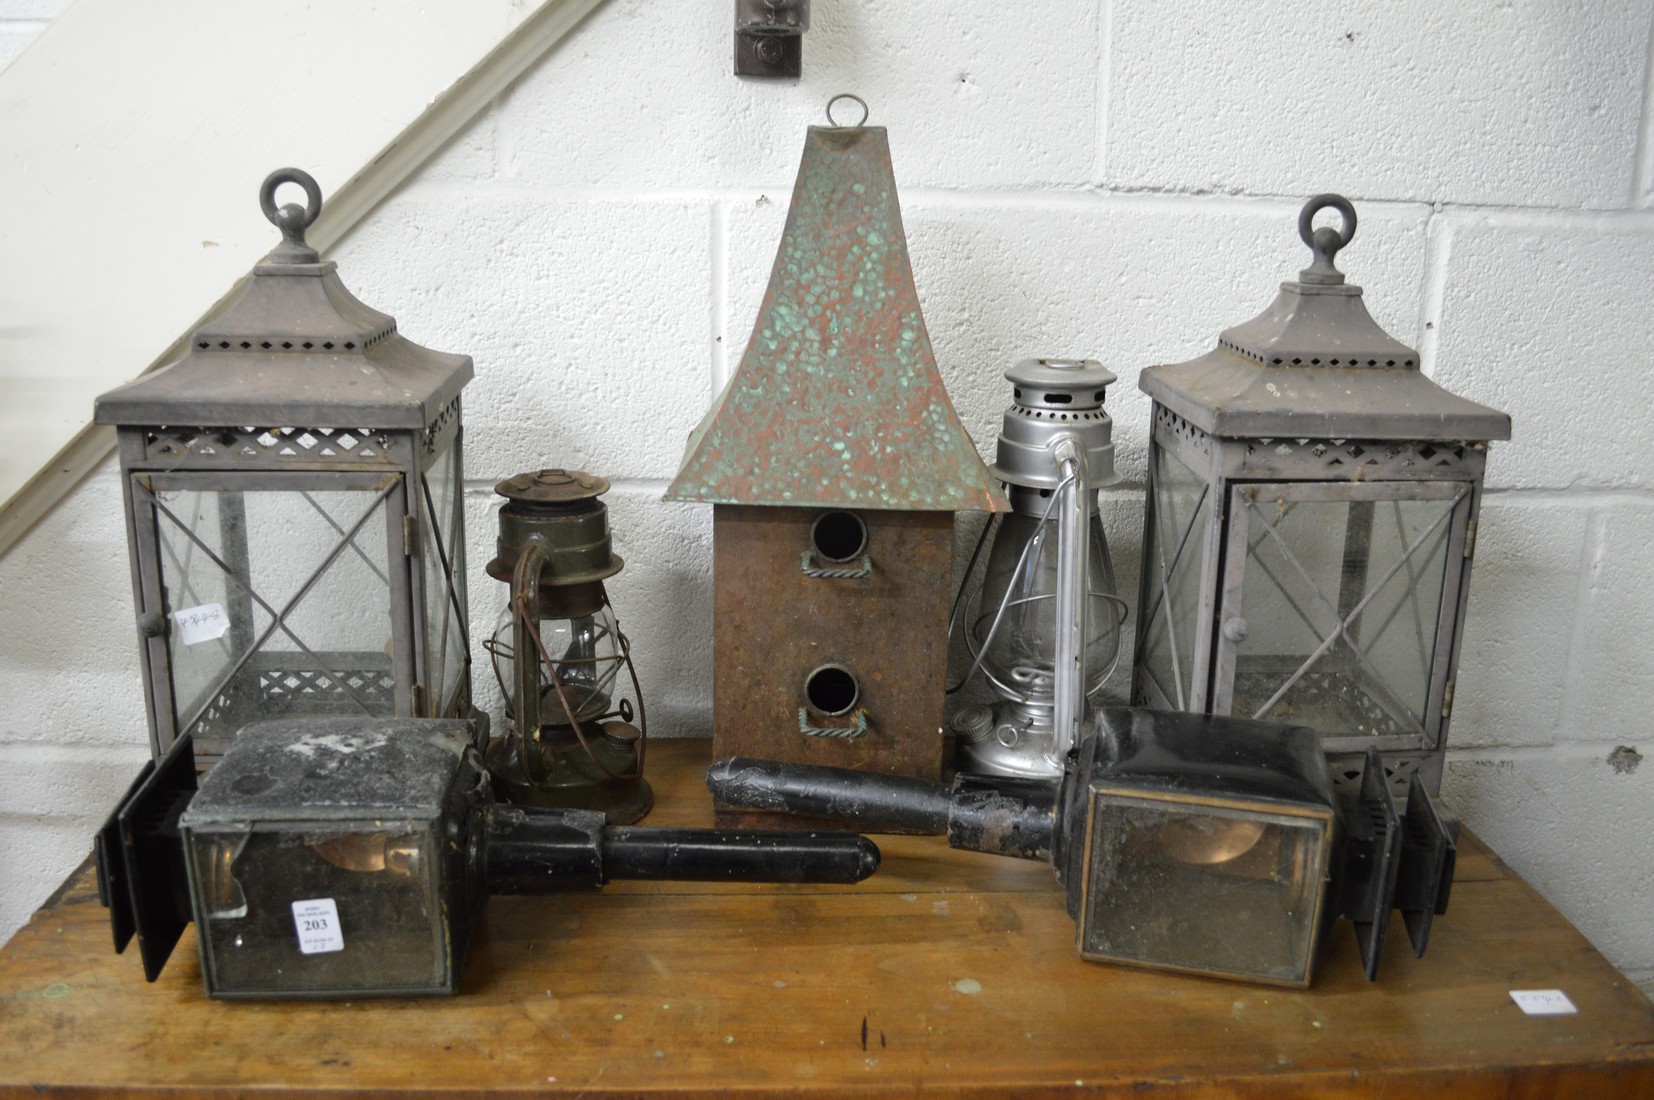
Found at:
<point>1043,625</point>
<point>573,743</point>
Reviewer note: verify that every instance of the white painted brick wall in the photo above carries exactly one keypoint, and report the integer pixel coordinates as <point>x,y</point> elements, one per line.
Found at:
<point>1111,180</point>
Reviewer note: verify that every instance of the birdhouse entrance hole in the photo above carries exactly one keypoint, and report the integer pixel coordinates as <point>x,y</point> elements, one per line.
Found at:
<point>838,536</point>
<point>832,689</point>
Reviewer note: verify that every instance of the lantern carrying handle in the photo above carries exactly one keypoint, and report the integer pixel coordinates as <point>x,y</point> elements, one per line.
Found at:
<point>831,121</point>
<point>291,218</point>
<point>1326,241</point>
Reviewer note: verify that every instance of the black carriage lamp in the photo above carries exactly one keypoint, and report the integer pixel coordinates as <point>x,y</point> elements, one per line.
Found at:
<point>349,857</point>
<point>1310,526</point>
<point>1214,846</point>
<point>294,513</point>
<point>558,653</point>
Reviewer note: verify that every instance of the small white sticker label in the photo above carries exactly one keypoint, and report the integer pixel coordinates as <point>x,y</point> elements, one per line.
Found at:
<point>317,923</point>
<point>1543,1002</point>
<point>201,624</point>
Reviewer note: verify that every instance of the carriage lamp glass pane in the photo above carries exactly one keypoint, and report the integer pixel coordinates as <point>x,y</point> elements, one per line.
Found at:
<point>1177,550</point>
<point>1222,890</point>
<point>369,918</point>
<point>1377,568</point>
<point>441,541</point>
<point>230,563</point>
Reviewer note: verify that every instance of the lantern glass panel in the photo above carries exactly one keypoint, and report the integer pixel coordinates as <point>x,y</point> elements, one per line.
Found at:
<point>442,554</point>
<point>1177,561</point>
<point>319,908</point>
<point>1190,885</point>
<point>279,602</point>
<point>585,651</point>
<point>1343,603</point>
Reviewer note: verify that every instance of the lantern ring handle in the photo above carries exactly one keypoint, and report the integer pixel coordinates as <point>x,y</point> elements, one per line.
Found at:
<point>1325,242</point>
<point>291,218</point>
<point>846,95</point>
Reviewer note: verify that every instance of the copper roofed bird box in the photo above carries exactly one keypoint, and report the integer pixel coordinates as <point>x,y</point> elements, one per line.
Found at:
<point>835,463</point>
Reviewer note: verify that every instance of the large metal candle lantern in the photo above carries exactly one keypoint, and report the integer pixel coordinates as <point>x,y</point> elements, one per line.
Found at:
<point>558,652</point>
<point>1312,502</point>
<point>1045,624</point>
<point>292,486</point>
<point>834,463</point>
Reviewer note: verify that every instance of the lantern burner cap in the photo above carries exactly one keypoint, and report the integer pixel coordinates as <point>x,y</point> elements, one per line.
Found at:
<point>1069,385</point>
<point>554,486</point>
<point>1054,399</point>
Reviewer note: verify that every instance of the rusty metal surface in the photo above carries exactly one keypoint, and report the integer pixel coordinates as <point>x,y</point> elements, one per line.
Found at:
<point>773,625</point>
<point>1315,363</point>
<point>837,401</point>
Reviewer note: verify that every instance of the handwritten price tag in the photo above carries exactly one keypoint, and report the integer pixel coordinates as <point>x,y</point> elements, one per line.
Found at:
<point>317,923</point>
<point>1543,1002</point>
<point>201,624</point>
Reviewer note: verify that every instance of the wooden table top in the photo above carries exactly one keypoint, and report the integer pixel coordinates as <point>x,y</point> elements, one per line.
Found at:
<point>946,972</point>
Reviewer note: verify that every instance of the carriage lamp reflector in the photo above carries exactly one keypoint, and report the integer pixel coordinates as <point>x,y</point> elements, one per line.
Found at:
<point>1214,887</point>
<point>341,858</point>
<point>564,667</point>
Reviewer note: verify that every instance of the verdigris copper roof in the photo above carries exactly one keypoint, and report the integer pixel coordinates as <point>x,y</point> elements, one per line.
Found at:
<point>837,401</point>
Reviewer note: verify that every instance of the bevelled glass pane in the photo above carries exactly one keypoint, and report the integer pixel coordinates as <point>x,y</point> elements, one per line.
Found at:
<point>1176,551</point>
<point>442,563</point>
<point>330,908</point>
<point>279,602</point>
<point>1215,889</point>
<point>1342,600</point>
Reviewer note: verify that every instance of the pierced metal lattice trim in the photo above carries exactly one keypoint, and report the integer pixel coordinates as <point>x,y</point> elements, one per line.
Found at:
<point>300,346</point>
<point>306,691</point>
<point>1359,714</point>
<point>1399,769</point>
<point>1363,458</point>
<point>1317,361</point>
<point>236,446</point>
<point>1186,433</point>
<point>1087,416</point>
<point>441,429</point>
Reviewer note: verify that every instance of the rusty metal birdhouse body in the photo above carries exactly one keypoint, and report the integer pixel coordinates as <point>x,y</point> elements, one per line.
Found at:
<point>834,461</point>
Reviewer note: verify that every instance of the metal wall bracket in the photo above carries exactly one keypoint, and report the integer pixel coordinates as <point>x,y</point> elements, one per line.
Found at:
<point>769,37</point>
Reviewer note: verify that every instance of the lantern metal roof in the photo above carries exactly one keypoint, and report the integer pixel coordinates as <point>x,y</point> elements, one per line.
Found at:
<point>295,347</point>
<point>1315,364</point>
<point>837,401</point>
